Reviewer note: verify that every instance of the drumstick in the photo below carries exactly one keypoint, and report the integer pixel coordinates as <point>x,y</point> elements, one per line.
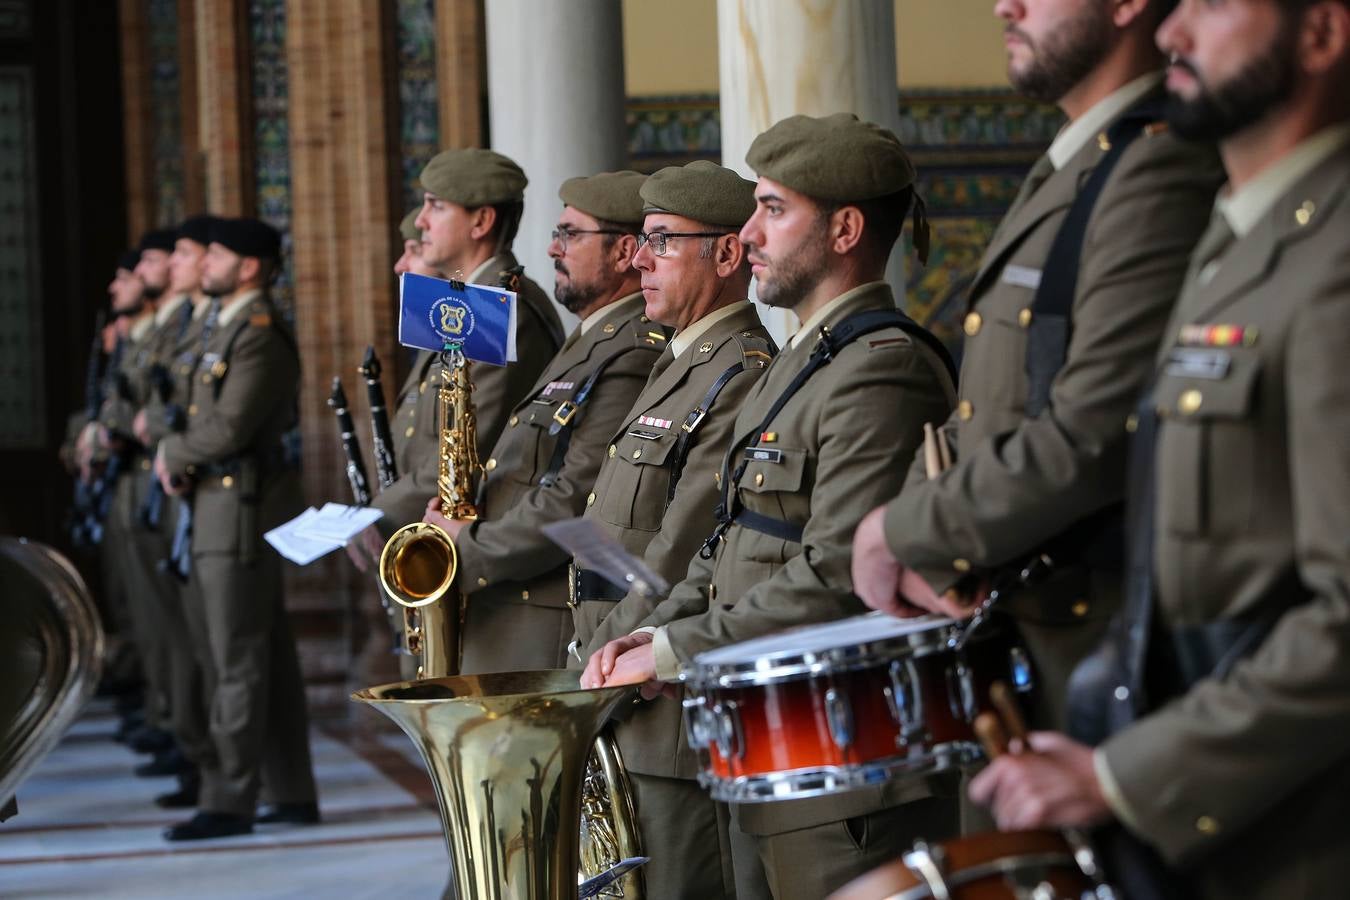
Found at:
<point>1002,697</point>
<point>944,450</point>
<point>991,734</point>
<point>932,462</point>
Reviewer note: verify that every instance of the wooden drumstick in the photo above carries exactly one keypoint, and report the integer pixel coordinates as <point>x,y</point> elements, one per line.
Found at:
<point>932,462</point>
<point>1001,696</point>
<point>991,734</point>
<point>944,451</point>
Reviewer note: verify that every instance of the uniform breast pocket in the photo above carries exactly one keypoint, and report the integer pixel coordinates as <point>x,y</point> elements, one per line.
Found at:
<point>1205,461</point>
<point>640,481</point>
<point>772,486</point>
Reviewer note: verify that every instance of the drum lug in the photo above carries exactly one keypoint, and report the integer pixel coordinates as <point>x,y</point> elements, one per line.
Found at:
<point>696,722</point>
<point>905,700</point>
<point>961,693</point>
<point>727,730</point>
<point>930,864</point>
<point>839,716</point>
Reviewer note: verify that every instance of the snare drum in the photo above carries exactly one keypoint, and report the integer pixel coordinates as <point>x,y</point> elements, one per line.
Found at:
<point>833,707</point>
<point>1044,865</point>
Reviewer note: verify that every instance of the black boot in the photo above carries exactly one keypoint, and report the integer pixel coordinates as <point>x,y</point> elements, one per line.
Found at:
<point>149,739</point>
<point>189,784</point>
<point>207,825</point>
<point>170,762</point>
<point>288,814</point>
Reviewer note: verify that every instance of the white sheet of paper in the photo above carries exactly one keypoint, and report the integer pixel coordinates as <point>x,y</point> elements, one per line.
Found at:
<point>336,522</point>
<point>297,548</point>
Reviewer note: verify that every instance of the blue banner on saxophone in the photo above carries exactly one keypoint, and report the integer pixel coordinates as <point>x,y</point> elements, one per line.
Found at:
<point>435,314</point>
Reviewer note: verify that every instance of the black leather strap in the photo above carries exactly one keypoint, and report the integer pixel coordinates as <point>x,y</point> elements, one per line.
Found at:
<point>692,423</point>
<point>565,419</point>
<point>587,585</point>
<point>784,531</point>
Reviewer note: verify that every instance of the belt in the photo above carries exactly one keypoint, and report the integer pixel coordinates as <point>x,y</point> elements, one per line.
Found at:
<point>584,585</point>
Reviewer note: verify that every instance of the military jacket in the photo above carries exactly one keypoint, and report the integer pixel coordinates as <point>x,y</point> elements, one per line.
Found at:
<point>414,422</point>
<point>1021,481</point>
<point>503,556</point>
<point>839,441</point>
<point>633,503</point>
<point>1241,781</point>
<point>242,400</point>
<point>181,361</point>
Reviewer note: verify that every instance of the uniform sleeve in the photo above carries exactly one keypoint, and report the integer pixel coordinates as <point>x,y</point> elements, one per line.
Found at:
<point>874,416</point>
<point>689,519</point>
<point>512,542</point>
<point>1293,694</point>
<point>1006,496</point>
<point>405,500</point>
<point>259,359</point>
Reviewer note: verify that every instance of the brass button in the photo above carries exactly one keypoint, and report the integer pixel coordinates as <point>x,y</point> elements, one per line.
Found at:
<point>524,595</point>
<point>965,410</point>
<point>192,409</point>
<point>491,464</point>
<point>609,328</point>
<point>227,481</point>
<point>422,388</point>
<point>515,420</point>
<point>1303,215</point>
<point>409,432</point>
<point>637,454</point>
<point>1079,609</point>
<point>717,478</point>
<point>145,465</point>
<point>1131,423</point>
<point>206,379</point>
<point>590,499</point>
<point>1189,402</point>
<point>972,324</point>
<point>612,450</point>
<point>1206,825</point>
<point>1024,317</point>
<point>643,319</point>
<point>482,582</point>
<point>759,478</point>
<point>961,565</point>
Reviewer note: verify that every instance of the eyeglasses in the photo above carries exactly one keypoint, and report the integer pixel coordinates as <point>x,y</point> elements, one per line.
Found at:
<point>658,238</point>
<point>562,234</point>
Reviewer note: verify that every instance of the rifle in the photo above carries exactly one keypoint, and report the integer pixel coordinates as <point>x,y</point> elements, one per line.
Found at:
<point>385,466</point>
<point>356,467</point>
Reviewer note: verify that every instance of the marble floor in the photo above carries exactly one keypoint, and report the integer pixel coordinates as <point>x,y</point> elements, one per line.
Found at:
<point>88,828</point>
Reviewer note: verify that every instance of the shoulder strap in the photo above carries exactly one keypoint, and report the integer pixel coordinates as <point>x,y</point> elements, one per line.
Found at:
<point>832,340</point>
<point>692,423</point>
<point>565,418</point>
<point>1051,323</point>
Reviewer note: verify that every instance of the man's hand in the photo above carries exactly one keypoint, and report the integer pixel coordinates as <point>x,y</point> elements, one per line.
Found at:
<point>433,516</point>
<point>1053,786</point>
<point>601,664</point>
<point>365,548</point>
<point>141,428</point>
<point>173,487</point>
<point>887,586</point>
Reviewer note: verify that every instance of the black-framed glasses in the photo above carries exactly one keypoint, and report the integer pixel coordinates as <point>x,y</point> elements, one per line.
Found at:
<point>563,233</point>
<point>658,238</point>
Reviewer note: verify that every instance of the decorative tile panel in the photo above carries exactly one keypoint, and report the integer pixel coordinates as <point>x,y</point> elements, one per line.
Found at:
<point>419,111</point>
<point>271,135</point>
<point>22,403</point>
<point>166,126</point>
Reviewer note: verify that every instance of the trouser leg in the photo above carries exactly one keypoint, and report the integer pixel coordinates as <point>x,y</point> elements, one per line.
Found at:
<point>685,833</point>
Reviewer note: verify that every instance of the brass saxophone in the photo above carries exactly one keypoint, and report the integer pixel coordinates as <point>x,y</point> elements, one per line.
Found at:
<point>419,562</point>
<point>417,568</point>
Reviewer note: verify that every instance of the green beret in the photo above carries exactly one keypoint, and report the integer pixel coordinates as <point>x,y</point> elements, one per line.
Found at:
<point>702,191</point>
<point>610,195</point>
<point>408,227</point>
<point>838,157</point>
<point>473,177</point>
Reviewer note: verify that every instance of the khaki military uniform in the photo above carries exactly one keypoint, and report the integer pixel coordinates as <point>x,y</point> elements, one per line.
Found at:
<point>838,440</point>
<point>496,389</point>
<point>1241,780</point>
<point>241,402</point>
<point>1020,481</point>
<point>680,823</point>
<point>514,577</point>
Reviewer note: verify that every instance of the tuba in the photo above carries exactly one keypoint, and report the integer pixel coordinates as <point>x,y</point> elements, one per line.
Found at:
<point>417,569</point>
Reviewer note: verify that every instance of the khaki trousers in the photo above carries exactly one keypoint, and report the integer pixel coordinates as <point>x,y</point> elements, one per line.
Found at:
<point>259,728</point>
<point>514,637</point>
<point>686,834</point>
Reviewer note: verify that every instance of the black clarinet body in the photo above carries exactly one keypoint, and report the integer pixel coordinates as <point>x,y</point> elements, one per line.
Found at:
<point>351,445</point>
<point>386,469</point>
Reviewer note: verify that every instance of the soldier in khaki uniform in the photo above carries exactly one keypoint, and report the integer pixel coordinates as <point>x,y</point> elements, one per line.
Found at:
<point>241,403</point>
<point>832,197</point>
<point>544,465</point>
<point>1225,692</point>
<point>474,200</point>
<point>1059,338</point>
<point>657,489</point>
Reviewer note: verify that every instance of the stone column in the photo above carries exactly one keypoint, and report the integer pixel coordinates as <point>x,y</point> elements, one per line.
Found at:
<point>813,57</point>
<point>556,101</point>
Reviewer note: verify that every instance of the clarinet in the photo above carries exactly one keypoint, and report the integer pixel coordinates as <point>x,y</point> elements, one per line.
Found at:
<point>356,468</point>
<point>385,466</point>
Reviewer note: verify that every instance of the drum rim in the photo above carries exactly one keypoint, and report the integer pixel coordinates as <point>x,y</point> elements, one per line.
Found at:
<point>792,664</point>
<point>767,787</point>
<point>1003,865</point>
